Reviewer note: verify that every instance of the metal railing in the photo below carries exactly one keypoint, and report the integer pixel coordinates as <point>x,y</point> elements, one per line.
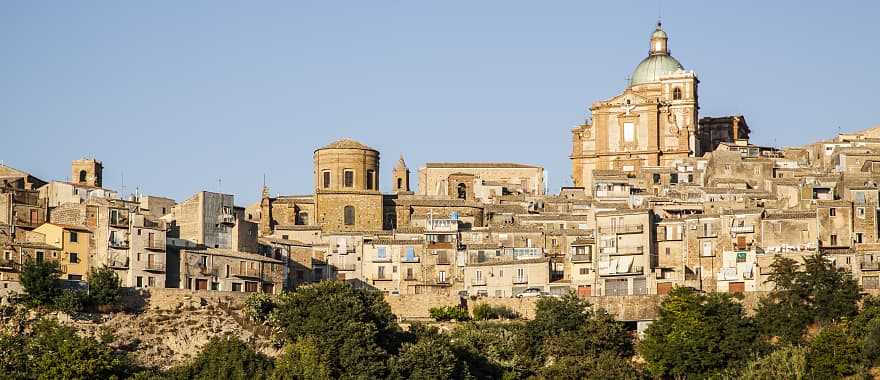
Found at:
<point>742,229</point>
<point>156,244</point>
<point>155,267</point>
<point>521,279</point>
<point>252,272</point>
<point>622,229</point>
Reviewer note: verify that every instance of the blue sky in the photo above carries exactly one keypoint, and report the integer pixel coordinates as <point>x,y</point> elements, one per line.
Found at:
<point>176,95</point>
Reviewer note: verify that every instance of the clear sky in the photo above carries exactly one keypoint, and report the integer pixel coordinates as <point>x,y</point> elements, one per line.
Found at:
<point>175,95</point>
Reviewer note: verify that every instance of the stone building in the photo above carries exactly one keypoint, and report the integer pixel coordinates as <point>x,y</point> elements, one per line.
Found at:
<point>227,270</point>
<point>347,194</point>
<point>479,181</point>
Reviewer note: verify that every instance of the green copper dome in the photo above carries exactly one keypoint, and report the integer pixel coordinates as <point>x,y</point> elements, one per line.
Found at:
<point>653,67</point>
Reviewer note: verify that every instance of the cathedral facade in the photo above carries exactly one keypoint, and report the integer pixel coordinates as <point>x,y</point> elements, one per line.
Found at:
<point>653,122</point>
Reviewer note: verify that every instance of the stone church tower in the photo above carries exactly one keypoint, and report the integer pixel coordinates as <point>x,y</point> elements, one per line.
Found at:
<point>347,196</point>
<point>87,171</point>
<point>400,182</point>
<point>653,122</point>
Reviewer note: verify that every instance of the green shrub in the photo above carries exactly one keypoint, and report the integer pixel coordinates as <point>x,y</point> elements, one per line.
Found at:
<point>40,282</point>
<point>788,362</point>
<point>70,301</point>
<point>104,288</point>
<point>834,353</point>
<point>448,313</point>
<point>484,312</point>
<point>258,306</point>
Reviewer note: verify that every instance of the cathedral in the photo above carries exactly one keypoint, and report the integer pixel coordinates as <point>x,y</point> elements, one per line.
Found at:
<point>653,122</point>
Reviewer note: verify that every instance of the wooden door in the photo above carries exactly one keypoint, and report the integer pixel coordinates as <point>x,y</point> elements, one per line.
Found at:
<point>736,287</point>
<point>201,284</point>
<point>664,287</point>
<point>585,291</point>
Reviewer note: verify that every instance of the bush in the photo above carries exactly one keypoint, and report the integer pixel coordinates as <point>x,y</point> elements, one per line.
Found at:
<point>484,311</point>
<point>40,282</point>
<point>448,313</point>
<point>833,353</point>
<point>104,289</point>
<point>70,301</point>
<point>603,366</point>
<point>788,362</point>
<point>225,358</point>
<point>258,307</point>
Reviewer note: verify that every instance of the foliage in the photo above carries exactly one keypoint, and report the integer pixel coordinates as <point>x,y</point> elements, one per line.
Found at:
<point>485,311</point>
<point>818,294</point>
<point>787,362</point>
<point>13,359</point>
<point>495,344</point>
<point>225,358</point>
<point>39,278</point>
<point>353,328</point>
<point>258,307</point>
<point>448,313</point>
<point>432,358</point>
<point>833,353</point>
<point>866,328</point>
<point>304,360</point>
<point>57,352</point>
<point>70,301</point>
<point>104,287</point>
<point>603,366</point>
<point>698,334</point>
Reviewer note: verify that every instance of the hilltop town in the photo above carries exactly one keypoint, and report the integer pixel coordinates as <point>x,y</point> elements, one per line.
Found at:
<point>662,197</point>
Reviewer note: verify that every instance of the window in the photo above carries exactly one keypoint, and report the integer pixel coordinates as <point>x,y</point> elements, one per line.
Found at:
<point>348,178</point>
<point>74,258</point>
<point>860,197</point>
<point>478,275</point>
<point>73,237</point>
<point>676,94</point>
<point>380,253</point>
<point>369,184</point>
<point>349,215</point>
<point>151,282</point>
<point>833,240</point>
<point>441,277</point>
<point>139,282</point>
<point>462,191</point>
<point>860,211</point>
<point>858,238</point>
<point>409,274</point>
<point>236,286</point>
<point>74,277</point>
<point>399,183</point>
<point>585,271</point>
<point>381,274</point>
<point>326,180</point>
<point>410,254</point>
<point>215,286</point>
<point>82,175</point>
<point>668,251</point>
<point>707,249</point>
<point>832,212</point>
<point>629,132</point>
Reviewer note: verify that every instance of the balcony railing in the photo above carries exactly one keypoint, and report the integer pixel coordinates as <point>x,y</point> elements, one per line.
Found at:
<point>582,258</point>
<point>118,244</point>
<point>156,244</point>
<point>250,272</point>
<point>870,266</point>
<point>411,259</point>
<point>8,265</point>
<point>622,251</point>
<point>226,219</point>
<point>521,279</point>
<point>344,267</point>
<point>118,263</point>
<point>207,271</point>
<point>121,220</point>
<point>410,278</point>
<point>383,259</point>
<point>443,261</point>
<point>623,229</point>
<point>742,229</point>
<point>155,267</point>
<point>707,234</point>
<point>527,253</point>
<point>478,282</point>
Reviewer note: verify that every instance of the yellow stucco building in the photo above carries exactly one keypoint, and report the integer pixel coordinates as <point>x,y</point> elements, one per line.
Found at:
<point>75,245</point>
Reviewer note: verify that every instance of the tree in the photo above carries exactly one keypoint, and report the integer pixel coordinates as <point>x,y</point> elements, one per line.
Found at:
<point>13,359</point>
<point>432,358</point>
<point>606,365</point>
<point>818,294</point>
<point>303,360</point>
<point>697,334</point>
<point>104,289</point>
<point>834,353</point>
<point>57,352</point>
<point>354,328</point>
<point>225,357</point>
<point>787,362</point>
<point>866,328</point>
<point>39,279</point>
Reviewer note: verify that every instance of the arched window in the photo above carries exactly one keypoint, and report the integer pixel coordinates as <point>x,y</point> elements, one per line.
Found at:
<point>676,94</point>
<point>82,175</point>
<point>349,215</point>
<point>400,183</point>
<point>302,218</point>
<point>462,191</point>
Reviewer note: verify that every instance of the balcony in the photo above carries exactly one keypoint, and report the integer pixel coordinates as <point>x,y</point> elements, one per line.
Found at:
<point>410,259</point>
<point>246,272</point>
<point>527,253</point>
<point>383,259</point>
<point>478,282</point>
<point>623,229</point>
<point>344,267</point>
<point>154,267</point>
<point>706,234</point>
<point>207,271</point>
<point>118,244</point>
<point>521,279</point>
<point>8,265</point>
<point>583,258</point>
<point>228,219</point>
<point>443,261</point>
<point>410,278</point>
<point>742,229</point>
<point>156,244</point>
<point>121,263</point>
<point>870,266</point>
